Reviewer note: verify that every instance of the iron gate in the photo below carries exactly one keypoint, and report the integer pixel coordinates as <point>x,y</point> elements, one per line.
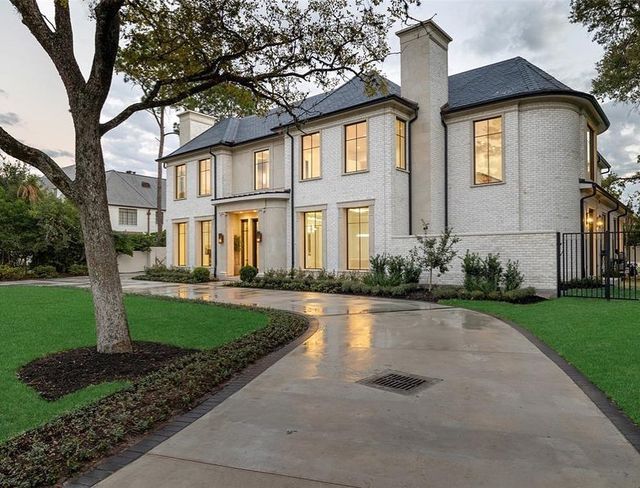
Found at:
<point>599,265</point>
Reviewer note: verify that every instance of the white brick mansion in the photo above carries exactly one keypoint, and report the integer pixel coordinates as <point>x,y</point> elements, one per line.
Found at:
<point>502,154</point>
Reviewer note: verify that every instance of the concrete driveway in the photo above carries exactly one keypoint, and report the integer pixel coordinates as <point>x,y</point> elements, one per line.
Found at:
<point>504,415</point>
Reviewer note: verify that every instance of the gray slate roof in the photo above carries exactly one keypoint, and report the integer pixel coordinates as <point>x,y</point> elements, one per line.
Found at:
<point>124,189</point>
<point>239,130</point>
<point>512,78</point>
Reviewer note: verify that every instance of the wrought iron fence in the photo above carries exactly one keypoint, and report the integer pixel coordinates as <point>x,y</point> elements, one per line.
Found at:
<point>599,265</point>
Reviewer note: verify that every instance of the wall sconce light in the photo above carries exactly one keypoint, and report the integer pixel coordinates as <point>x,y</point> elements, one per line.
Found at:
<point>220,238</point>
<point>600,222</point>
<point>589,220</point>
<point>258,236</point>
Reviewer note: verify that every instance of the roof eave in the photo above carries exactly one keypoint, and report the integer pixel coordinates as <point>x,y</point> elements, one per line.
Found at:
<point>541,93</point>
<point>392,97</point>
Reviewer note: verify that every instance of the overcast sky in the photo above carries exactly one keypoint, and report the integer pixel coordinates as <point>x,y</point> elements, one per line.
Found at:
<point>33,106</point>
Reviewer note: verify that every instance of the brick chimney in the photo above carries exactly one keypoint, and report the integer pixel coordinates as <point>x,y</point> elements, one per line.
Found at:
<point>425,80</point>
<point>193,124</point>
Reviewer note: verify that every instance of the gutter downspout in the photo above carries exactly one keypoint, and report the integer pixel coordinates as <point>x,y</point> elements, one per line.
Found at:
<point>446,171</point>
<point>215,213</point>
<point>626,211</point>
<point>293,214</point>
<point>409,166</point>
<point>582,250</point>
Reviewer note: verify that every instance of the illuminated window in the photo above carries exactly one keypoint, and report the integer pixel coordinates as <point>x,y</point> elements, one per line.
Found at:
<point>355,147</point>
<point>358,238</point>
<point>205,243</point>
<point>311,156</point>
<point>313,240</point>
<point>181,244</point>
<point>127,216</point>
<point>401,144</point>
<point>261,169</point>
<point>181,182</point>
<point>591,153</point>
<point>204,182</point>
<point>487,135</point>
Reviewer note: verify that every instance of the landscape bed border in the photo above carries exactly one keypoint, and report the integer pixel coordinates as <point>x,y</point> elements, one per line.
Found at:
<point>73,442</point>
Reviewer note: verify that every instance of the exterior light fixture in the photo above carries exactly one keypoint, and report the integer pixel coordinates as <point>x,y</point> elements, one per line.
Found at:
<point>600,222</point>
<point>589,220</point>
<point>258,236</point>
<point>220,238</point>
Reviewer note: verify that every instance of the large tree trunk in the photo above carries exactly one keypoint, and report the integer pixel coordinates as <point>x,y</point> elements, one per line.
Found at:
<point>108,300</point>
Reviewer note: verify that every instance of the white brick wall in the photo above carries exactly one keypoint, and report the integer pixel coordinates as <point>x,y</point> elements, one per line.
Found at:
<point>536,252</point>
<point>541,159</point>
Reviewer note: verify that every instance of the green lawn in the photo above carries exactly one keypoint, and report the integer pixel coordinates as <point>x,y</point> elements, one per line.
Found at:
<point>600,338</point>
<point>35,321</point>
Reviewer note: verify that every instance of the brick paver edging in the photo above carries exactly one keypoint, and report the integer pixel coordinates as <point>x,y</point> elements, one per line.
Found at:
<point>624,424</point>
<point>115,462</point>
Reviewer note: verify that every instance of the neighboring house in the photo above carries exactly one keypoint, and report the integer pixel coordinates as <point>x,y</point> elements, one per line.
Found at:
<point>131,198</point>
<point>504,154</point>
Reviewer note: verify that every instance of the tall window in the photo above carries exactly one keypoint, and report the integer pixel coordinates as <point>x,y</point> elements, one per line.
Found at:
<point>355,147</point>
<point>311,156</point>
<point>181,181</point>
<point>358,238</point>
<point>127,216</point>
<point>181,244</point>
<point>313,257</point>
<point>401,144</point>
<point>205,243</point>
<point>487,135</point>
<point>261,169</point>
<point>204,181</point>
<point>591,153</point>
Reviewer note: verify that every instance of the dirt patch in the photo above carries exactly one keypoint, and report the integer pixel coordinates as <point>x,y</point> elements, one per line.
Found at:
<point>65,372</point>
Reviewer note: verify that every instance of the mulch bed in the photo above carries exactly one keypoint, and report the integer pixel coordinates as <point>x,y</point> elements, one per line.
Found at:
<point>48,454</point>
<point>65,372</point>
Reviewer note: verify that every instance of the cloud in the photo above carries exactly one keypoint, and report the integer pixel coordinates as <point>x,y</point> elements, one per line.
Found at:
<point>59,153</point>
<point>9,118</point>
<point>528,26</point>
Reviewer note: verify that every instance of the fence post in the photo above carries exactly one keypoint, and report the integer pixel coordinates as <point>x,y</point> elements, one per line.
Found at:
<point>607,265</point>
<point>558,266</point>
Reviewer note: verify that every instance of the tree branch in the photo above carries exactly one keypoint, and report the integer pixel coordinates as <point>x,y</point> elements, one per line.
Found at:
<point>58,45</point>
<point>107,36</point>
<point>39,160</point>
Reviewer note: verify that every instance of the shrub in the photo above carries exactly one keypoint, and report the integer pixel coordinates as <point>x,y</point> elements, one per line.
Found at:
<point>201,275</point>
<point>45,271</point>
<point>378,264</point>
<point>78,270</point>
<point>445,292</point>
<point>473,269</point>
<point>411,271</point>
<point>588,282</point>
<point>512,277</point>
<point>395,270</point>
<point>521,295</point>
<point>248,273</point>
<point>492,272</point>
<point>8,273</point>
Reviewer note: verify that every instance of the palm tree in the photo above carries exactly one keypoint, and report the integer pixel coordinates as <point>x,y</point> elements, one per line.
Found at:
<point>29,189</point>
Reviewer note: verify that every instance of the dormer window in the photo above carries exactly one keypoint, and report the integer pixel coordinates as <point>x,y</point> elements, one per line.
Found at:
<point>487,138</point>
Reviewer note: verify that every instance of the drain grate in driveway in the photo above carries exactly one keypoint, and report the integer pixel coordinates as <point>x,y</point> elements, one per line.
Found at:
<point>399,382</point>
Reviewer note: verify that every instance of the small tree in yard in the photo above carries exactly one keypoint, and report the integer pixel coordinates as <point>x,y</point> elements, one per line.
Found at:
<point>182,48</point>
<point>435,253</point>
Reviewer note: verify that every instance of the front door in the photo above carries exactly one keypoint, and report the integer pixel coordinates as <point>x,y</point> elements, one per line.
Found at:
<point>248,242</point>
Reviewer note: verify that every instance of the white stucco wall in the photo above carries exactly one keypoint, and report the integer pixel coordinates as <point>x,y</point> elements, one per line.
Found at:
<point>145,223</point>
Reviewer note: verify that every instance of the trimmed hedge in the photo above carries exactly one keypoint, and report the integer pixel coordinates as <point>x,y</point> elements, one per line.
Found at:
<point>175,275</point>
<point>324,283</point>
<point>353,284</point>
<point>48,454</point>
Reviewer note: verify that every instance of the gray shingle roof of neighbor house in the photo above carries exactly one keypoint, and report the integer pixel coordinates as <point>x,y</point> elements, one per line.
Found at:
<point>126,189</point>
<point>509,79</point>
